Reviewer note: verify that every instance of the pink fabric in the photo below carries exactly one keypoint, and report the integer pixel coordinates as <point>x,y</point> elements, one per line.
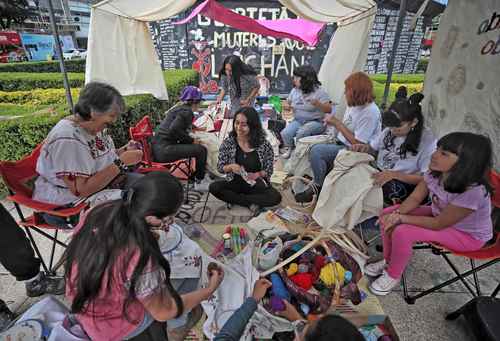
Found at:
<point>297,29</point>
<point>398,247</point>
<point>104,320</point>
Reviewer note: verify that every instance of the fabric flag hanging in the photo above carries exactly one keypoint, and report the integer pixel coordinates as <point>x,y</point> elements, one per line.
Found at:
<point>297,29</point>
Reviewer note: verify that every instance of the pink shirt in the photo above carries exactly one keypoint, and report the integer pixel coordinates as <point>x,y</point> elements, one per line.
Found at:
<point>104,319</point>
<point>478,223</point>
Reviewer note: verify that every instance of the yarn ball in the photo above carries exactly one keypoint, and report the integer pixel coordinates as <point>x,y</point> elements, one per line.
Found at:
<point>329,276</point>
<point>318,263</point>
<point>277,304</point>
<point>292,269</point>
<point>303,280</point>
<point>303,267</point>
<point>348,276</point>
<point>278,287</point>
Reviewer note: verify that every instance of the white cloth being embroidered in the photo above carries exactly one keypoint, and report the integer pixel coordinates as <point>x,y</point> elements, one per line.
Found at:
<point>348,196</point>
<point>69,150</point>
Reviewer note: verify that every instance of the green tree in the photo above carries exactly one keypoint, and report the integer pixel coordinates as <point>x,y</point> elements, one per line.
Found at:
<point>14,11</point>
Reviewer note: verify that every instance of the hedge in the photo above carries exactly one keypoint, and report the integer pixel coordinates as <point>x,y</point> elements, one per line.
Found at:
<point>75,65</point>
<point>23,81</point>
<point>20,136</point>
<point>399,78</point>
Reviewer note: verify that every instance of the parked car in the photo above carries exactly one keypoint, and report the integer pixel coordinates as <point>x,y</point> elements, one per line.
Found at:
<point>71,54</point>
<point>83,53</point>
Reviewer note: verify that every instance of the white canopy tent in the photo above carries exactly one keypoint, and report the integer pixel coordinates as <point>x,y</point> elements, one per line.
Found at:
<point>124,55</point>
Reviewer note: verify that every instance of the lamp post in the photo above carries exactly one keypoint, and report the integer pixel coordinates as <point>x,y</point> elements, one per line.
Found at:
<point>59,52</point>
<point>390,67</point>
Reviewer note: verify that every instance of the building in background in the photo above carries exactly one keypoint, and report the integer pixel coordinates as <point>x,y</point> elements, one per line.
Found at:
<point>80,13</point>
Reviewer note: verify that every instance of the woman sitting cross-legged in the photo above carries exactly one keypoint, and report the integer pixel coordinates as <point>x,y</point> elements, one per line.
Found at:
<point>361,123</point>
<point>403,149</point>
<point>172,141</point>
<point>247,159</point>
<point>118,280</point>
<point>309,102</point>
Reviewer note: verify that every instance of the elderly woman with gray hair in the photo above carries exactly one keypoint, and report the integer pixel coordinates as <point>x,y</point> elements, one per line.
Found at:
<point>78,157</point>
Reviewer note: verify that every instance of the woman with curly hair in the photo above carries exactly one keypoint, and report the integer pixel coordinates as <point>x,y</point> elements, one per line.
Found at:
<point>361,123</point>
<point>309,103</point>
<point>246,157</point>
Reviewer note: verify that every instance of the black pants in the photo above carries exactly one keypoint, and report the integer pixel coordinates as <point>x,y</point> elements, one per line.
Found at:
<point>157,331</point>
<point>174,152</point>
<point>238,192</point>
<point>16,253</point>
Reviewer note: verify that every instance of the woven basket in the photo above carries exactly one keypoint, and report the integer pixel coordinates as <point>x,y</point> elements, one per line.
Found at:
<point>288,198</point>
<point>326,244</point>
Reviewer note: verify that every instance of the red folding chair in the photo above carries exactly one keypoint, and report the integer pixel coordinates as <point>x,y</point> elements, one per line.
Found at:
<point>490,254</point>
<point>19,177</point>
<point>182,169</point>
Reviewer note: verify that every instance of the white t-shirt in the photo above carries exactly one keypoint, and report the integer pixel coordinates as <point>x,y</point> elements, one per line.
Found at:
<point>69,150</point>
<point>389,159</point>
<point>303,110</point>
<point>364,121</point>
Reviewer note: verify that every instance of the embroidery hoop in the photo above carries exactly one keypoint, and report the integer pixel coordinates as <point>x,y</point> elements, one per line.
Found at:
<point>169,241</point>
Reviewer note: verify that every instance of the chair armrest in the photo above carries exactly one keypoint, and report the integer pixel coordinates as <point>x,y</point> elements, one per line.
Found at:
<point>38,206</point>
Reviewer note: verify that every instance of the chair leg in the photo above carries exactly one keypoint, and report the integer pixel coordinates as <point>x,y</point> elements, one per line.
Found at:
<point>409,299</point>
<point>37,251</point>
<point>460,276</point>
<point>495,292</point>
<point>474,275</point>
<point>52,251</point>
<point>204,208</point>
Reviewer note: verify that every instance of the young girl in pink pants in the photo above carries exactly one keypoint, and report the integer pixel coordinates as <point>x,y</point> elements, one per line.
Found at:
<point>459,217</point>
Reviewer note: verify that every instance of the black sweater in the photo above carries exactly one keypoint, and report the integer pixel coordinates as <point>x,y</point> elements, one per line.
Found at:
<point>174,129</point>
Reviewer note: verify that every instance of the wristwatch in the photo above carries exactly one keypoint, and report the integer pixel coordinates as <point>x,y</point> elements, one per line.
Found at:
<point>121,166</point>
<point>299,326</point>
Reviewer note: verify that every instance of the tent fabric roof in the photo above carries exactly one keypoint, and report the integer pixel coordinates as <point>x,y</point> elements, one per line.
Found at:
<point>125,56</point>
<point>302,30</point>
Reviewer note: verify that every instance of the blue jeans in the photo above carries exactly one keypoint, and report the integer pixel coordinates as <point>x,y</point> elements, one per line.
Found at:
<point>299,130</point>
<point>322,156</point>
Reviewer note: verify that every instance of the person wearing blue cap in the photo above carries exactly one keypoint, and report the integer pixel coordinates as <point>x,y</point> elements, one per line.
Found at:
<point>172,141</point>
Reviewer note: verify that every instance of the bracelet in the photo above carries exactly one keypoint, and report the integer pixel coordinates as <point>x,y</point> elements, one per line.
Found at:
<point>121,166</point>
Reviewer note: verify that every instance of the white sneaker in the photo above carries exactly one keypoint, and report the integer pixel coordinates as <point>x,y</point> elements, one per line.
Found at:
<point>286,152</point>
<point>240,211</point>
<point>375,269</point>
<point>383,285</point>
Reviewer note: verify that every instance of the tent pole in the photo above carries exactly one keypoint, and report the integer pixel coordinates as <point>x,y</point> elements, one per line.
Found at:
<point>390,67</point>
<point>55,33</point>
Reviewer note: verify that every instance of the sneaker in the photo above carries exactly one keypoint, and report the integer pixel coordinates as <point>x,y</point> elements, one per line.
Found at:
<point>383,285</point>
<point>375,269</point>
<point>240,211</point>
<point>202,185</point>
<point>45,285</point>
<point>286,152</point>
<point>6,316</point>
<point>308,194</point>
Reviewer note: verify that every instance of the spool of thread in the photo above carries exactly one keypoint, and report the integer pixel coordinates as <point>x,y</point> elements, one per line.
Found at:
<point>277,304</point>
<point>226,237</point>
<point>303,268</point>
<point>278,287</point>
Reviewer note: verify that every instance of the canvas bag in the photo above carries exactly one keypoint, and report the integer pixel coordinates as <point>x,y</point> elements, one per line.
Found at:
<point>299,164</point>
<point>348,196</point>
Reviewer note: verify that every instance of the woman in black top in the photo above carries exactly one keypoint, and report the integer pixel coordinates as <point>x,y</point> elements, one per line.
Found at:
<point>172,141</point>
<point>246,157</point>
